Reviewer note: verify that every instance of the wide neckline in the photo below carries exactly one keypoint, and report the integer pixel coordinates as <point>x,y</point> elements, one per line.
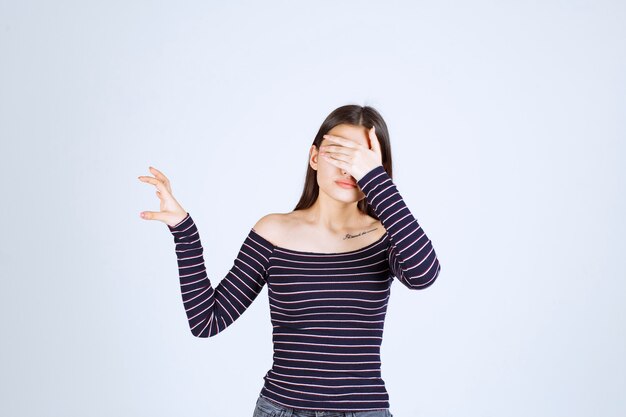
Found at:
<point>368,246</point>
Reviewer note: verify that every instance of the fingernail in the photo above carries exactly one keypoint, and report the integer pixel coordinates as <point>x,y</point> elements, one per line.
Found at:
<point>142,215</point>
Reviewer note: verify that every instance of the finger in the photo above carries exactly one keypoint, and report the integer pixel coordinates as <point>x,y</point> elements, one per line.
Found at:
<point>158,183</point>
<point>341,141</point>
<point>151,215</point>
<point>337,162</point>
<point>375,144</point>
<point>336,157</point>
<point>161,176</point>
<point>335,149</point>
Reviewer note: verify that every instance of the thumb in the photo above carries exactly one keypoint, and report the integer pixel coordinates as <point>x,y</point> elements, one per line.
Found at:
<point>151,215</point>
<point>375,144</point>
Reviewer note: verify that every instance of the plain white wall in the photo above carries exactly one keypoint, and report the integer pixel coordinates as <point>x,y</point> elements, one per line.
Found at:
<point>507,129</point>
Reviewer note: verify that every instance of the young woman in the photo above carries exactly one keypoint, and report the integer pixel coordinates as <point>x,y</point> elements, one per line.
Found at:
<point>329,266</point>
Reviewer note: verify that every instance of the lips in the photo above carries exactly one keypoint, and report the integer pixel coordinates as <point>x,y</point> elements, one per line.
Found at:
<point>353,184</point>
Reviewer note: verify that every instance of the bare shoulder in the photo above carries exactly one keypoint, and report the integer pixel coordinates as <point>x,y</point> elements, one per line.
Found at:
<point>271,226</point>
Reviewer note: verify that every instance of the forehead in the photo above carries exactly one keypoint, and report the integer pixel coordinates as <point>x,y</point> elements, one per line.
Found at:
<point>356,134</point>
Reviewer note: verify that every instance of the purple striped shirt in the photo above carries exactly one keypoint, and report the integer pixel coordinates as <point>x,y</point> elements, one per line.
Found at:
<point>327,309</point>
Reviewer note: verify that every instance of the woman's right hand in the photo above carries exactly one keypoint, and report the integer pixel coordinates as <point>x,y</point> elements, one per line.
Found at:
<point>171,212</point>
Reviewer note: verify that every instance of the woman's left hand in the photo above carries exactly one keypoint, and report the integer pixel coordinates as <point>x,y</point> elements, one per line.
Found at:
<point>352,157</point>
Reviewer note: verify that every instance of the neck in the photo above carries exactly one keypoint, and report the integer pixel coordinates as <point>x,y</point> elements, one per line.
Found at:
<point>333,215</point>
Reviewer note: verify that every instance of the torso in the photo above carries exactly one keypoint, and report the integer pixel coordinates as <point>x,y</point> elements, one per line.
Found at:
<point>293,231</point>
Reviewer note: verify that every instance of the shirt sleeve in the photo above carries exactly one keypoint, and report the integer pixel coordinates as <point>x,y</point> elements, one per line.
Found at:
<point>211,310</point>
<point>412,258</point>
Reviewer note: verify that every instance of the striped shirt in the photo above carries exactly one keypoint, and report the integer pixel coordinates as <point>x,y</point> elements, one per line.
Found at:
<point>327,309</point>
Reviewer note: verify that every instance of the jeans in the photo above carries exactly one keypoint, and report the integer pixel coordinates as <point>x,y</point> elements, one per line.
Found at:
<point>268,408</point>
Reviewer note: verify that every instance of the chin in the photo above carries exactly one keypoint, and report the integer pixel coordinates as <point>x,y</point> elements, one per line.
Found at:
<point>348,196</point>
<point>348,200</point>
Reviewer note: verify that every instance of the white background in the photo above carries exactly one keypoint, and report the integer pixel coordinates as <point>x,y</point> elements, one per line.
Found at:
<point>507,129</point>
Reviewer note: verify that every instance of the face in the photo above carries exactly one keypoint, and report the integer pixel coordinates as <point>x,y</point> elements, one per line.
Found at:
<point>328,174</point>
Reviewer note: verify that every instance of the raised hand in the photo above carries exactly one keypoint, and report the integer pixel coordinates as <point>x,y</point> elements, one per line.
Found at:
<point>171,211</point>
<point>354,158</point>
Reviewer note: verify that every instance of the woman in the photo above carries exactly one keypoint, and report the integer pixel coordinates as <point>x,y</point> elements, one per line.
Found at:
<point>329,266</point>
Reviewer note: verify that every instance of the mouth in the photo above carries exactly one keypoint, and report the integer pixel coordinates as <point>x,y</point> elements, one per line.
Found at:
<point>346,184</point>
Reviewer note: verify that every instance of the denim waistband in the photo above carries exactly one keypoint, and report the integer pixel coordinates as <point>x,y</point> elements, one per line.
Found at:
<point>280,410</point>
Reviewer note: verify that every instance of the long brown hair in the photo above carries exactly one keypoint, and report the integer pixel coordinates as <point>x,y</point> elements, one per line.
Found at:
<point>355,115</point>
